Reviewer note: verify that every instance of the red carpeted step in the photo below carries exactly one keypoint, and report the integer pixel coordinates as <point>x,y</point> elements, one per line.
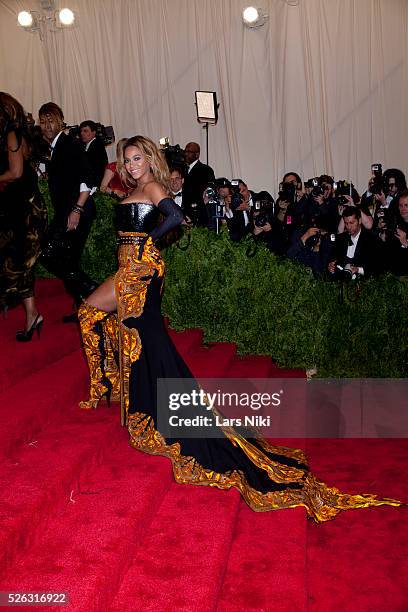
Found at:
<point>181,561</point>
<point>82,512</point>
<point>40,399</point>
<point>44,472</point>
<point>47,287</point>
<point>52,303</point>
<point>89,541</point>
<point>20,359</point>
<point>212,361</point>
<point>359,561</point>
<point>186,341</point>
<point>267,564</point>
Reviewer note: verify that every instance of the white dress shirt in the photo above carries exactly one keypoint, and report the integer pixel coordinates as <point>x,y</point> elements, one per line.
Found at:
<point>191,166</point>
<point>88,144</point>
<point>178,198</point>
<point>351,249</point>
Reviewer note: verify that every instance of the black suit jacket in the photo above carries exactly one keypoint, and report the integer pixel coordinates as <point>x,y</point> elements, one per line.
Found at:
<point>367,254</point>
<point>237,227</point>
<point>194,184</point>
<point>67,169</point>
<point>98,159</point>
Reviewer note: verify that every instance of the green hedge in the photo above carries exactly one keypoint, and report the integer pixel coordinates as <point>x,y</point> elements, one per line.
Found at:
<point>272,306</point>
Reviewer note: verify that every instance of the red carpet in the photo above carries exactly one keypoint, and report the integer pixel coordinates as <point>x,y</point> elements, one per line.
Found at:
<point>81,512</point>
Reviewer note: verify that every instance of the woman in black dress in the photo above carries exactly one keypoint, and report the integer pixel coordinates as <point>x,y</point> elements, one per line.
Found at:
<point>23,216</point>
<point>128,349</point>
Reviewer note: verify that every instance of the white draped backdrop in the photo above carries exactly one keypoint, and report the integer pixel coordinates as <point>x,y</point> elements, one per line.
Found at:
<point>321,87</point>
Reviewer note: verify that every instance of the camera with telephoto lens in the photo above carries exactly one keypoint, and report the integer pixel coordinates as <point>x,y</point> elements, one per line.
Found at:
<point>321,221</point>
<point>214,203</point>
<point>174,154</point>
<point>287,192</point>
<point>264,217</point>
<point>317,189</point>
<point>345,274</point>
<point>263,212</point>
<point>211,193</point>
<point>264,202</point>
<point>389,222</point>
<point>105,133</point>
<point>313,240</point>
<point>236,197</point>
<point>377,186</point>
<point>341,189</point>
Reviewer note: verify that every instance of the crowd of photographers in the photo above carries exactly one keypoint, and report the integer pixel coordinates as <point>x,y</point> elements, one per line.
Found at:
<point>322,224</point>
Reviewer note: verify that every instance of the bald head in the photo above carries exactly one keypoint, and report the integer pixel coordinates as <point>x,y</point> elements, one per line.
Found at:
<point>191,152</point>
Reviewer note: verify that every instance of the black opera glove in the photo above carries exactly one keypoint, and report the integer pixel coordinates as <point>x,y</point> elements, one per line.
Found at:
<point>172,217</point>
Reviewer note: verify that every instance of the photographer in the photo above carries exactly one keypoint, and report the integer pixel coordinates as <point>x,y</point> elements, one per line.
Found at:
<point>311,247</point>
<point>291,192</point>
<point>223,186</point>
<point>368,200</point>
<point>346,195</point>
<point>94,148</point>
<point>392,183</point>
<point>402,214</point>
<point>393,231</point>
<point>291,202</point>
<point>243,204</point>
<point>215,197</point>
<point>321,203</point>
<point>267,229</point>
<point>356,251</point>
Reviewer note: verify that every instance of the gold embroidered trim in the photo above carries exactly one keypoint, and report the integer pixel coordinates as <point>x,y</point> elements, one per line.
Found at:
<point>321,502</point>
<point>131,283</point>
<point>111,344</point>
<point>88,317</point>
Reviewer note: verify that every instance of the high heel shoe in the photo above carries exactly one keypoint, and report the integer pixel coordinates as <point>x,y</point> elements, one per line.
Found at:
<point>26,335</point>
<point>92,404</point>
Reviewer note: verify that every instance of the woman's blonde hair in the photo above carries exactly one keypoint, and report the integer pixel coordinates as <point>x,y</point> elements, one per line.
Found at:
<point>154,157</point>
<point>120,156</point>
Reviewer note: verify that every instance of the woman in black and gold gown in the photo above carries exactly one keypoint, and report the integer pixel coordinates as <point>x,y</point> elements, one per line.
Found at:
<point>128,349</point>
<point>23,216</point>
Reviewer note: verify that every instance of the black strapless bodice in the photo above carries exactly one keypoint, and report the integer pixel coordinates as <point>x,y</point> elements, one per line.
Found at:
<point>136,217</point>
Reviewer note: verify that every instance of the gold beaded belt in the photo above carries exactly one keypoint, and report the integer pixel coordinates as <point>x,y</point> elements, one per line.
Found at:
<point>131,239</point>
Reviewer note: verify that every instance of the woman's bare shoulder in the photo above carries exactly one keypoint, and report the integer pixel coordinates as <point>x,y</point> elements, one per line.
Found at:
<point>154,192</point>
